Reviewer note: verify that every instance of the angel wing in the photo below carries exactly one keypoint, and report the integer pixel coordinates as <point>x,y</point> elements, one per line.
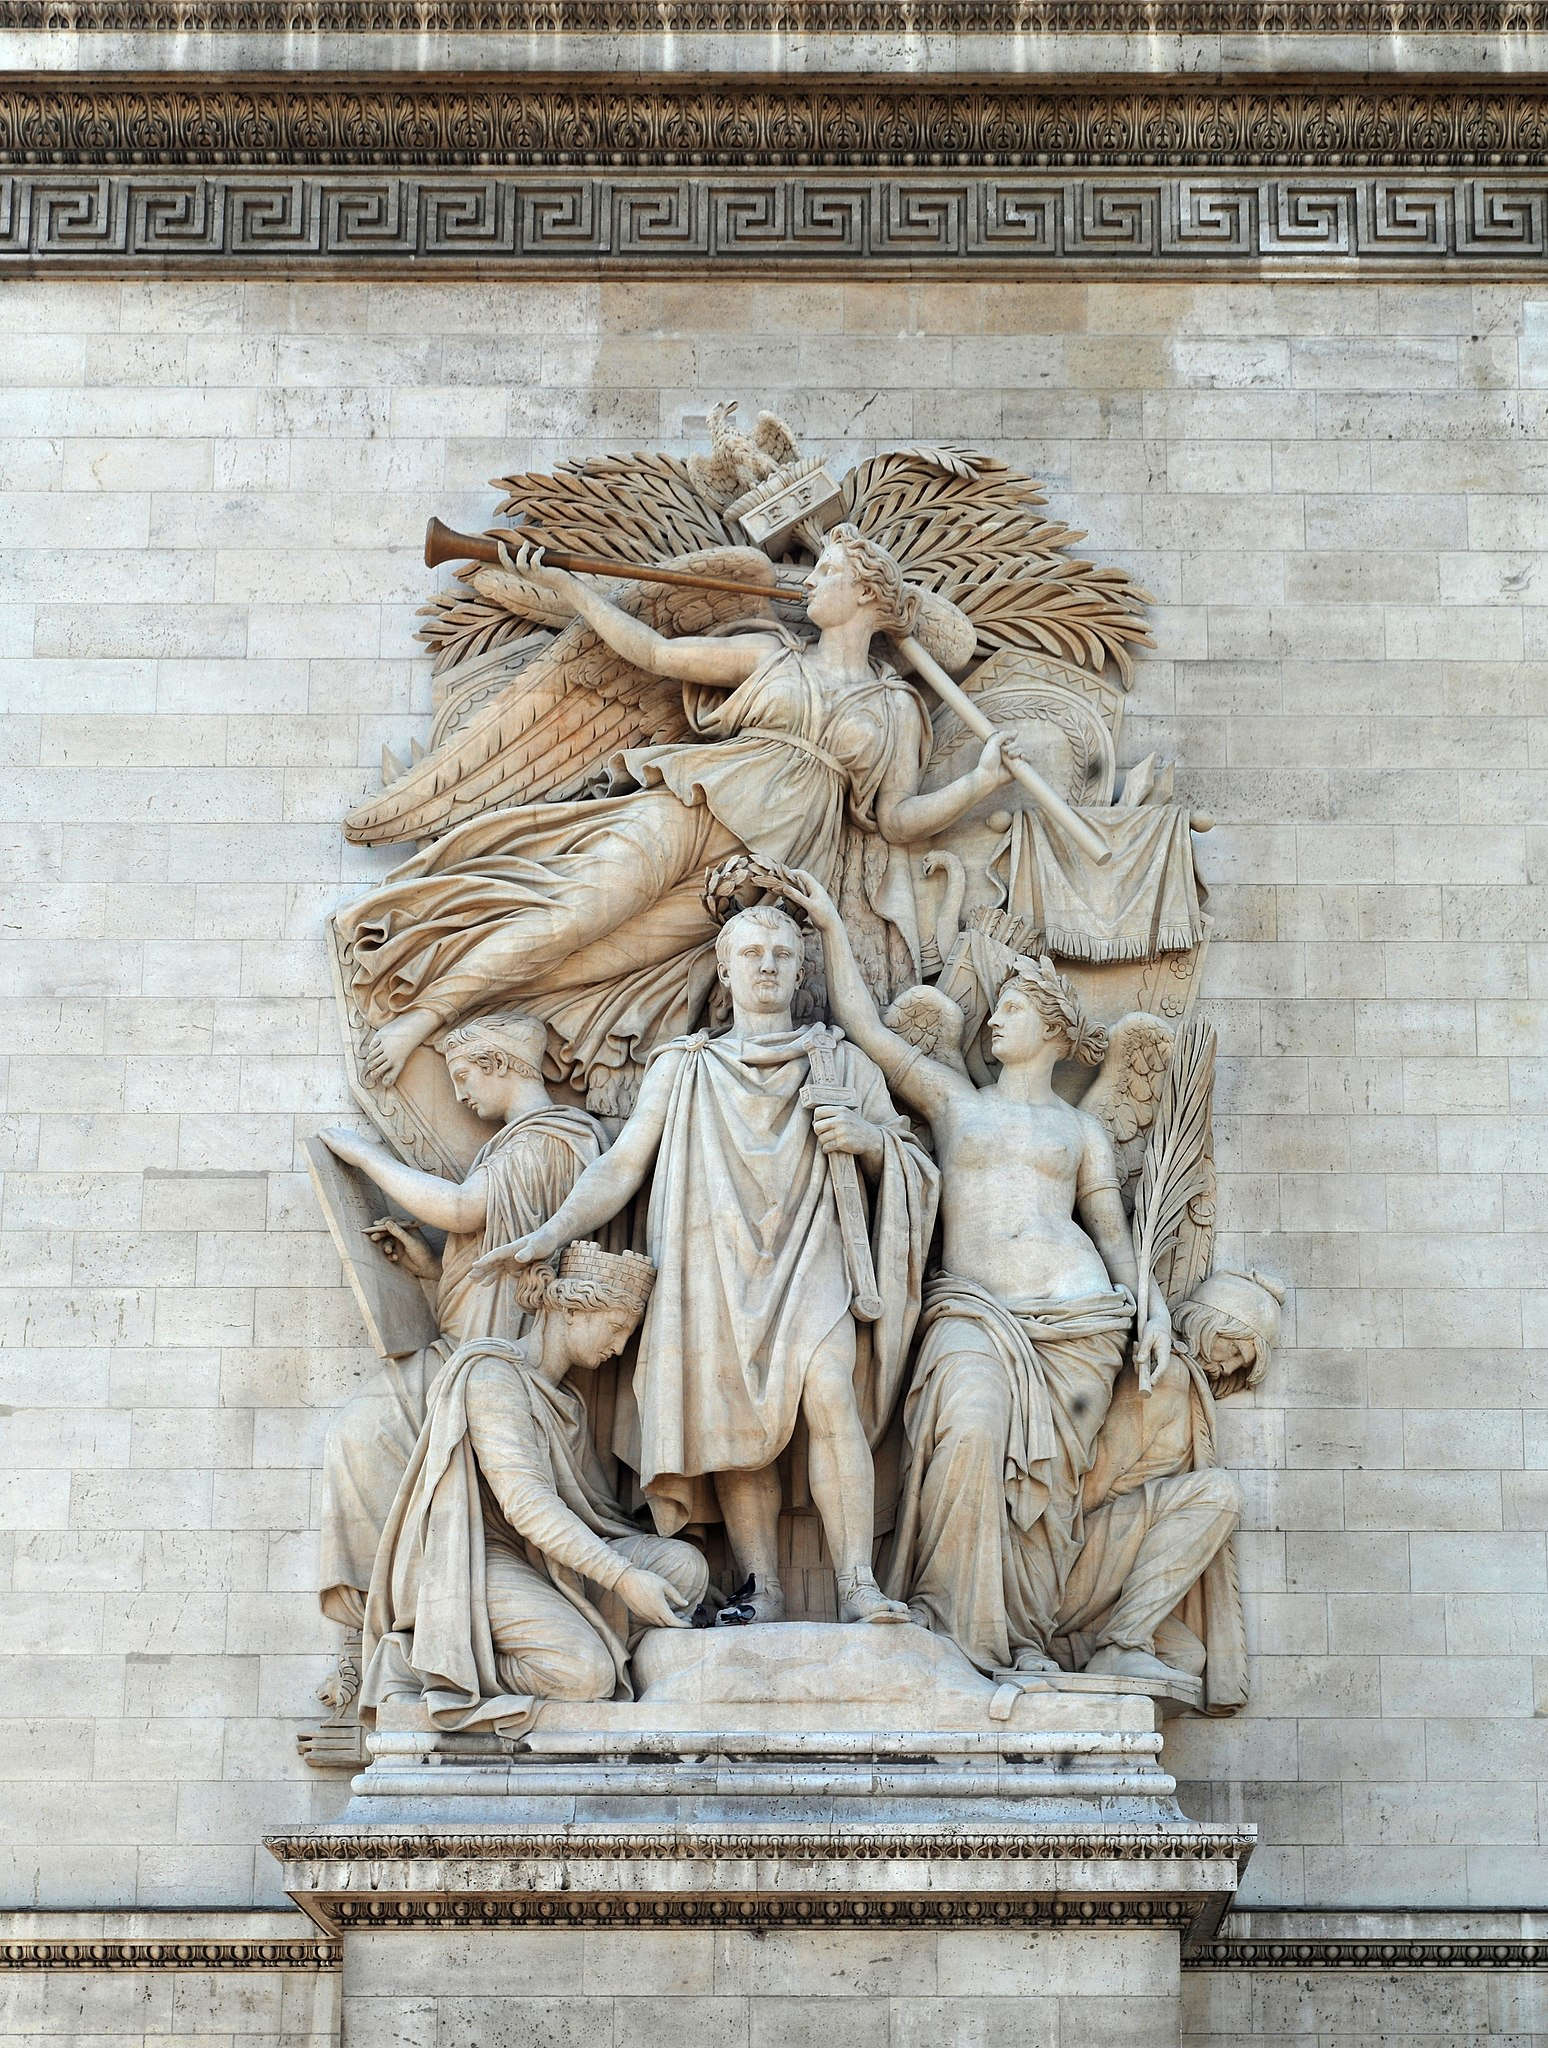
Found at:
<point>930,1021</point>
<point>1128,1087</point>
<point>1179,1168</point>
<point>563,715</point>
<point>967,525</point>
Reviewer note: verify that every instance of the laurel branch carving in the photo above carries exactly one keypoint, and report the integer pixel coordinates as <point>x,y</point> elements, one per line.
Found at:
<point>706,124</point>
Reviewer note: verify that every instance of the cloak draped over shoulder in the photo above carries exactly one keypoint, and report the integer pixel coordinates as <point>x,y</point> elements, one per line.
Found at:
<point>750,1275</point>
<point>427,1623</point>
<point>529,1167</point>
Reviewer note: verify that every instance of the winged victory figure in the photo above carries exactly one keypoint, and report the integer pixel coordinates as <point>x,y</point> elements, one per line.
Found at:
<point>599,755</point>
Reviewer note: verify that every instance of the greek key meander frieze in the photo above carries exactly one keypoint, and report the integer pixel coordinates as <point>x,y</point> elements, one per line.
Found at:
<point>791,17</point>
<point>845,123</point>
<point>590,218</point>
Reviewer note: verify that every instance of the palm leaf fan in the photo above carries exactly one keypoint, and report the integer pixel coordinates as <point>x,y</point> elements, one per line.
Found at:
<point>1179,1160</point>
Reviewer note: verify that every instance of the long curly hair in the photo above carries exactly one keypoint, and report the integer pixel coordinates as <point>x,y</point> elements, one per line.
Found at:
<point>879,577</point>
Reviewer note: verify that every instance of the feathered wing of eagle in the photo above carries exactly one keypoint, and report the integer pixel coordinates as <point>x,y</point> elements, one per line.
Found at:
<point>551,731</point>
<point>737,461</point>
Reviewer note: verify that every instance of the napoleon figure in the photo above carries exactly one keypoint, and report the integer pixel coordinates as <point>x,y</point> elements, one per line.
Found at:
<point>751,1324</point>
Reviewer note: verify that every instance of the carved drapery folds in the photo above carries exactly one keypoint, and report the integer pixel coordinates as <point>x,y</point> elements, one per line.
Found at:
<point>774,815</point>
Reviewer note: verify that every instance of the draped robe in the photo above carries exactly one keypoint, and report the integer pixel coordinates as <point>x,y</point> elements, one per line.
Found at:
<point>427,1620</point>
<point>1002,1420</point>
<point>590,912</point>
<point>750,1275</point>
<point>529,1167</point>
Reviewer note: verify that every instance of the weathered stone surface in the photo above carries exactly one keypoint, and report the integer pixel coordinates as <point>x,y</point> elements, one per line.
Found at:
<point>1379,1142</point>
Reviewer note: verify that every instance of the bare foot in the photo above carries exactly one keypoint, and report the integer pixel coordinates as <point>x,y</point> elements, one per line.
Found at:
<point>391,1043</point>
<point>861,1599</point>
<point>1034,1660</point>
<point>753,1602</point>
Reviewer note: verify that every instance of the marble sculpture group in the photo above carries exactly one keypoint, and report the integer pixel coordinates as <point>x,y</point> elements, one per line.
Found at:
<point>792,1195</point>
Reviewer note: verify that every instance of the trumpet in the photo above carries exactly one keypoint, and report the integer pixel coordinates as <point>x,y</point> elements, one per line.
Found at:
<point>444,544</point>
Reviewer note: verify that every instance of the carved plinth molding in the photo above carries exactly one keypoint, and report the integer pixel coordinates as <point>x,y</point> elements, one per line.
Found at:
<point>779,17</point>
<point>314,1952</point>
<point>1178,1876</point>
<point>1401,1954</point>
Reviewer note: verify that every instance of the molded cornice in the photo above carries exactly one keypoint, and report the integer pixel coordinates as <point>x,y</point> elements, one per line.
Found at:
<point>829,124</point>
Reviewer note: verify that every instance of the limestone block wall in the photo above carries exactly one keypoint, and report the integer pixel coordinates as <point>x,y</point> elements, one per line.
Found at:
<point>213,498</point>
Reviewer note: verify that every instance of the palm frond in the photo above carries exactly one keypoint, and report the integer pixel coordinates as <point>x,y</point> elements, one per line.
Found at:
<point>973,529</point>
<point>460,625</point>
<point>1179,1160</point>
<point>639,508</point>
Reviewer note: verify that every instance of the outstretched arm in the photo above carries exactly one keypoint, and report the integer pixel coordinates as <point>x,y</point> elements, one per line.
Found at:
<point>924,1084</point>
<point>904,817</point>
<point>607,1183</point>
<point>688,659</point>
<point>444,1204</point>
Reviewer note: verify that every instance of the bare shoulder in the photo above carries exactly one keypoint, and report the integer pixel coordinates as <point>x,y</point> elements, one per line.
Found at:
<point>1098,1156</point>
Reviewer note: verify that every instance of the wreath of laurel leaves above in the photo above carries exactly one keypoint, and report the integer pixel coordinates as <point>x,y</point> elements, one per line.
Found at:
<point>957,521</point>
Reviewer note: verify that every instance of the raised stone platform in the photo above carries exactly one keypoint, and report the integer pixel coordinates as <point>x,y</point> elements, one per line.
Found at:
<point>865,1723</point>
<point>788,1826</point>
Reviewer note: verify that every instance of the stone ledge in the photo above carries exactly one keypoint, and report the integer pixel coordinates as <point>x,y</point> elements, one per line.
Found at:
<point>535,1847</point>
<point>1379,1940</point>
<point>1178,1875</point>
<point>196,1942</point>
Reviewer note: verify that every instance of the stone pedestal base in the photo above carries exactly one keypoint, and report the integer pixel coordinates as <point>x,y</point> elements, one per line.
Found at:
<point>801,1835</point>
<point>693,1988</point>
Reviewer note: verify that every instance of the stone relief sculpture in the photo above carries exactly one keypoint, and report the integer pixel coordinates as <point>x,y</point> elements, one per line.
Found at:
<point>505,1557</point>
<point>1027,1317</point>
<point>536,1151</point>
<point>715,846</point>
<point>752,1323</point>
